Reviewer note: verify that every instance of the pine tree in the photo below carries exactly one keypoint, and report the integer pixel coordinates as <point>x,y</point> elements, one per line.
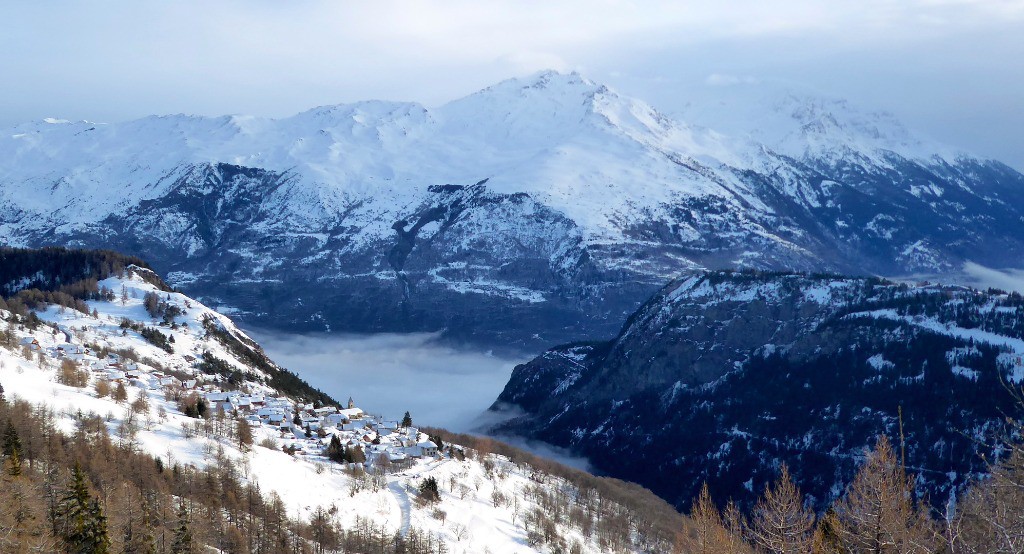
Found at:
<point>336,452</point>
<point>356,455</point>
<point>96,538</point>
<point>137,533</point>
<point>781,523</point>
<point>407,420</point>
<point>14,464</point>
<point>429,491</point>
<point>182,541</point>
<point>85,526</point>
<point>12,442</point>
<point>142,540</point>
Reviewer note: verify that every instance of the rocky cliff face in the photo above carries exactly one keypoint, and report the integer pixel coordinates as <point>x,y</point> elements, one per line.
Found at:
<point>723,376</point>
<point>537,211</point>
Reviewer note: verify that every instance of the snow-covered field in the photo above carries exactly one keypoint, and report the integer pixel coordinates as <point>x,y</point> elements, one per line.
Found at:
<point>483,506</point>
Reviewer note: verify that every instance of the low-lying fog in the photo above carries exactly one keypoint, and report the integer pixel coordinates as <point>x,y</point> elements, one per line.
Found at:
<point>388,374</point>
<point>1005,279</point>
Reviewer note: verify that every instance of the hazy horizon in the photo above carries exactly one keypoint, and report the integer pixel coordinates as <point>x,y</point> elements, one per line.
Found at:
<point>948,69</point>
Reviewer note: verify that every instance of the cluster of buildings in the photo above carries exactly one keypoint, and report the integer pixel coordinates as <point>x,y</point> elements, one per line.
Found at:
<point>308,430</point>
<point>112,367</point>
<point>304,429</point>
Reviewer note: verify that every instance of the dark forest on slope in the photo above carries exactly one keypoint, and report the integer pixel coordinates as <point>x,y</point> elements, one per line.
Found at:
<point>719,379</point>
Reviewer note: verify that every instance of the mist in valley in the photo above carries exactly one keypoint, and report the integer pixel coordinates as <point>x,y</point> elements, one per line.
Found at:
<point>984,277</point>
<point>389,373</point>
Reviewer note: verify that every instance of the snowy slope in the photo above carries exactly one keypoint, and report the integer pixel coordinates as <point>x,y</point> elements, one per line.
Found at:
<point>474,521</point>
<point>550,198</point>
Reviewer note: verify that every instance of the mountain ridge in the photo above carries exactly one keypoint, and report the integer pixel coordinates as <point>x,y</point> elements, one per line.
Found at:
<point>730,374</point>
<point>576,204</point>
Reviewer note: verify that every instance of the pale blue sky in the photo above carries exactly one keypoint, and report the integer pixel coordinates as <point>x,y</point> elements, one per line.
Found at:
<point>951,68</point>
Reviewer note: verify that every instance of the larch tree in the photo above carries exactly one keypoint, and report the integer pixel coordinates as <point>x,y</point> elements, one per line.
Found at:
<point>780,522</point>
<point>120,393</point>
<point>878,514</point>
<point>827,539</point>
<point>991,517</point>
<point>711,534</point>
<point>244,434</point>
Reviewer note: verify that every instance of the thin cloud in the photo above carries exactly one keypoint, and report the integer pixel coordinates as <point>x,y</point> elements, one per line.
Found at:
<point>932,60</point>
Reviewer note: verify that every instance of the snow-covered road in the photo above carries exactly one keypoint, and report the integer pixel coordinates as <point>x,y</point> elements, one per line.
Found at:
<point>397,488</point>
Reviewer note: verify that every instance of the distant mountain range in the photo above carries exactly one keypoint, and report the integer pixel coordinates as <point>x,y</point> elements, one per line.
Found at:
<point>537,211</point>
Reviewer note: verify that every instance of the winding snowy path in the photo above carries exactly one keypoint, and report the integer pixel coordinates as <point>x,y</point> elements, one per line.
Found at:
<point>404,502</point>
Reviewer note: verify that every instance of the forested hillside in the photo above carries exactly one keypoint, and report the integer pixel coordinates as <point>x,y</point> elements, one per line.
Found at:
<point>722,377</point>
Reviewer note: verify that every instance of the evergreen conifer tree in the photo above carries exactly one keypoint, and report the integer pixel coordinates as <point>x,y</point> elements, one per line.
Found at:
<point>182,542</point>
<point>85,526</point>
<point>336,452</point>
<point>11,442</point>
<point>14,464</point>
<point>429,491</point>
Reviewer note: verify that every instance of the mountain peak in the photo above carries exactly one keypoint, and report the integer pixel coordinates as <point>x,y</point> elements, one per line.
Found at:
<point>554,78</point>
<point>542,84</point>
<point>805,123</point>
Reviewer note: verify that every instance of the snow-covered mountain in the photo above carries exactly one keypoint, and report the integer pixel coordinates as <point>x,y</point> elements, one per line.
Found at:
<point>538,210</point>
<point>720,377</point>
<point>188,378</point>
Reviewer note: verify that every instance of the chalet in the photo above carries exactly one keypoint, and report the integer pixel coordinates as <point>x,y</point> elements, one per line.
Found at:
<point>115,375</point>
<point>353,425</point>
<point>216,397</point>
<point>31,343</point>
<point>428,447</point>
<point>68,349</point>
<point>241,403</point>
<point>169,381</point>
<point>335,420</point>
<point>276,418</point>
<point>352,413</point>
<point>75,357</point>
